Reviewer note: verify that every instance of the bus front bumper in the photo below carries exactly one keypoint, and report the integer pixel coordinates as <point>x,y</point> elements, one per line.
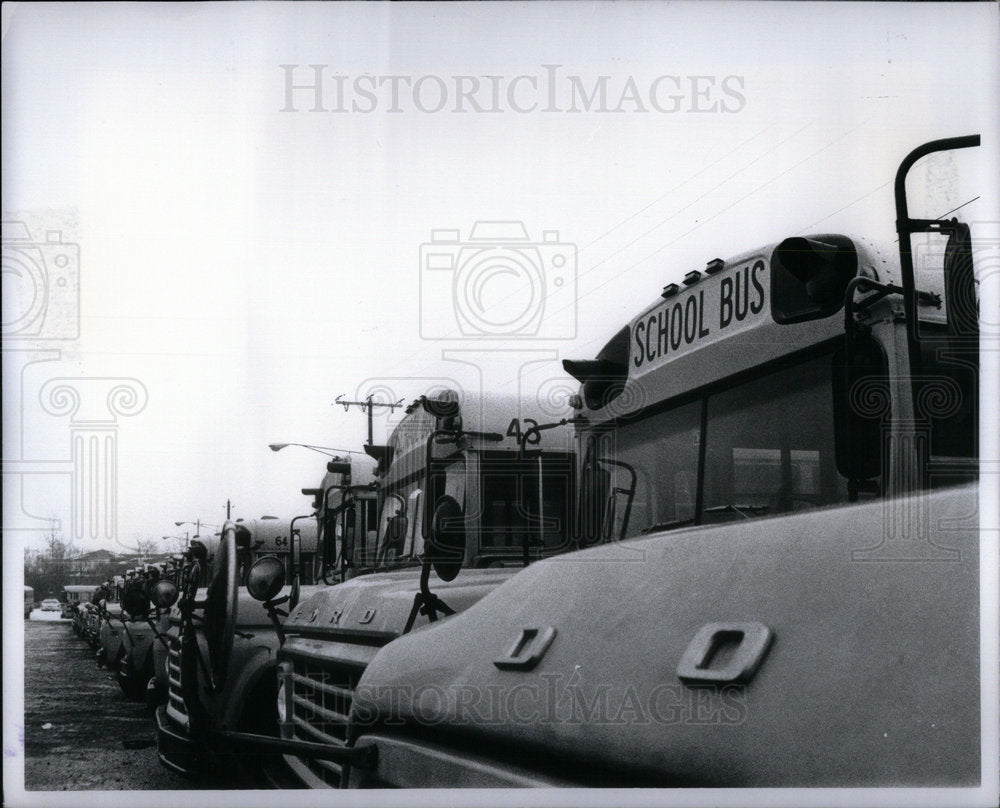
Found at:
<point>176,750</point>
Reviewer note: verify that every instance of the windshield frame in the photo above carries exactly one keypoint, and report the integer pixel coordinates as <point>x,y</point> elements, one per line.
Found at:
<point>591,435</point>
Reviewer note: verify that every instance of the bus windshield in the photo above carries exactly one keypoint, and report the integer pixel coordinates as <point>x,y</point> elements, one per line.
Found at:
<point>400,533</point>
<point>756,448</point>
<point>525,500</point>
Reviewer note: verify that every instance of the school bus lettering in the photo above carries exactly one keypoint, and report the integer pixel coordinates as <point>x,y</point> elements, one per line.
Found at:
<point>679,324</point>
<point>738,302</point>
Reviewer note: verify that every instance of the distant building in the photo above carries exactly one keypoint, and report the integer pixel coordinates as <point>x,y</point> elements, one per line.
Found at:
<point>97,566</point>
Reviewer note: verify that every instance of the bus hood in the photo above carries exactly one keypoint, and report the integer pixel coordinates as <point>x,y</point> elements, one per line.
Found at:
<point>862,650</point>
<point>378,606</point>
<point>251,613</point>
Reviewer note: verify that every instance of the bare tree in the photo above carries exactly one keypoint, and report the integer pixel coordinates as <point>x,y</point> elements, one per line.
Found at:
<point>48,571</point>
<point>145,548</point>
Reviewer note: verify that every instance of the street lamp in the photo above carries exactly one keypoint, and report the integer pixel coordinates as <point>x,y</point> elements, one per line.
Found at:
<point>327,450</point>
<point>197,526</point>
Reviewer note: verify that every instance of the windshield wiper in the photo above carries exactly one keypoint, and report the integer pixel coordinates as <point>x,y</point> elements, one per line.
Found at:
<point>674,523</point>
<point>746,511</point>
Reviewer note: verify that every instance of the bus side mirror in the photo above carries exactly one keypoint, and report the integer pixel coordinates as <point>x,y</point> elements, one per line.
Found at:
<point>862,400</point>
<point>960,284</point>
<point>445,546</point>
<point>339,467</point>
<point>809,277</point>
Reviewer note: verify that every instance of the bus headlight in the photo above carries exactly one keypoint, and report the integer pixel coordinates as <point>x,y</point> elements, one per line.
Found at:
<point>284,694</point>
<point>265,579</point>
<point>164,594</point>
<point>282,707</point>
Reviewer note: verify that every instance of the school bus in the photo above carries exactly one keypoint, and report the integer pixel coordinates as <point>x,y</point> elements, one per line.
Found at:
<point>471,487</point>
<point>220,673</point>
<point>346,507</point>
<point>74,595</point>
<point>132,628</point>
<point>108,601</point>
<point>778,575</point>
<point>189,572</point>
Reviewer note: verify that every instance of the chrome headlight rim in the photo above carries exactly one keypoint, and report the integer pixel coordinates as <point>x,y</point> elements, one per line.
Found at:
<point>284,692</point>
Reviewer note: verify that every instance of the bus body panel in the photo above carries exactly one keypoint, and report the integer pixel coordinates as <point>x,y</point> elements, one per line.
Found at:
<point>871,678</point>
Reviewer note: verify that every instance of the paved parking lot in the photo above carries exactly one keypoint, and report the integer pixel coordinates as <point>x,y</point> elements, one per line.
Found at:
<point>80,732</point>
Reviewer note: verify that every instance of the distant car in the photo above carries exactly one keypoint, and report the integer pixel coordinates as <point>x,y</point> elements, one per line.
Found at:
<point>51,605</point>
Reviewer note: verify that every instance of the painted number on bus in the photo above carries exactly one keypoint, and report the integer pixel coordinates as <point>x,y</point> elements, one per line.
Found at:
<point>514,431</point>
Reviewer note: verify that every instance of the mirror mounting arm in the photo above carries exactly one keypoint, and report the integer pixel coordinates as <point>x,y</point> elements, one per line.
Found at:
<point>271,606</point>
<point>426,602</point>
<point>156,632</point>
<point>536,430</point>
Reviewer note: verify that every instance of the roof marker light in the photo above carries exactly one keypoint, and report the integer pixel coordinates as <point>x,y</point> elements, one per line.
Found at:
<point>715,265</point>
<point>669,290</point>
<point>692,277</point>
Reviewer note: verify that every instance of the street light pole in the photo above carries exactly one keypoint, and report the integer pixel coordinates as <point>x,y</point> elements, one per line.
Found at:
<point>197,529</point>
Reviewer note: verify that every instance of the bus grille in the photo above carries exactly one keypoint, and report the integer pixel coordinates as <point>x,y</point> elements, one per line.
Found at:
<point>175,695</point>
<point>321,698</point>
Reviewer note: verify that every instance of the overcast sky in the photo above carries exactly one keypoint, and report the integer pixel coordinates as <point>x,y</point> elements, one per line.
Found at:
<point>250,247</point>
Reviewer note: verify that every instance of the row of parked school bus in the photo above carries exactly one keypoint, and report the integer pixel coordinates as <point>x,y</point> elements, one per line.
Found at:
<point>747,554</point>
